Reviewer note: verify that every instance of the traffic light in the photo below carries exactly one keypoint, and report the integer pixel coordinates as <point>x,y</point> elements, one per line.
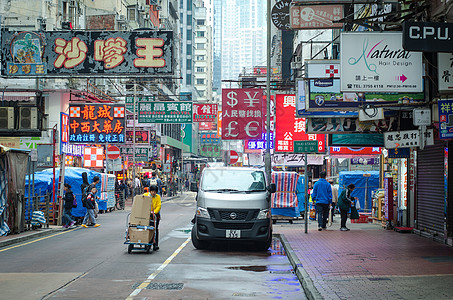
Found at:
<point>66,25</point>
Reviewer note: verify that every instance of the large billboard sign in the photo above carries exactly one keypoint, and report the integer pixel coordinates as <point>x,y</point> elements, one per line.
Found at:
<point>72,53</point>
<point>243,112</point>
<point>428,36</point>
<point>377,62</point>
<point>168,112</point>
<point>97,123</point>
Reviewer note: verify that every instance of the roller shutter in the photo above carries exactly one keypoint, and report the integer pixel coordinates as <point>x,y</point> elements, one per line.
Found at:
<point>430,189</point>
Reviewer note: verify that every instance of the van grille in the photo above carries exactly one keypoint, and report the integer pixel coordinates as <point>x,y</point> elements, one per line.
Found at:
<point>241,226</point>
<point>233,215</point>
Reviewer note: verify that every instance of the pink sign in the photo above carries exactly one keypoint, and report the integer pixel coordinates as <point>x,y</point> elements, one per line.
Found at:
<point>243,112</point>
<point>316,16</point>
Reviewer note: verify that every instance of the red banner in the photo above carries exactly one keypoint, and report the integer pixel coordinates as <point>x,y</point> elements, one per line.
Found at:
<point>243,112</point>
<point>360,151</point>
<point>288,128</point>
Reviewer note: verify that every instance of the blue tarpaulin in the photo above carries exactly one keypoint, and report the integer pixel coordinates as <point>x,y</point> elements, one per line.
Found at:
<point>365,183</point>
<point>73,176</point>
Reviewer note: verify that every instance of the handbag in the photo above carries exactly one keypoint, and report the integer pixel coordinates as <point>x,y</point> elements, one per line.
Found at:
<point>354,214</point>
<point>312,213</point>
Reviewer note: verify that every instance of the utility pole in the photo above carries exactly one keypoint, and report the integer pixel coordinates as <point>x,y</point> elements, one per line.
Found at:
<point>267,155</point>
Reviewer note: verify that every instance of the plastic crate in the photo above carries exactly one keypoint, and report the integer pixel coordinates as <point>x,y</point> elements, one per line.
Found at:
<point>361,219</point>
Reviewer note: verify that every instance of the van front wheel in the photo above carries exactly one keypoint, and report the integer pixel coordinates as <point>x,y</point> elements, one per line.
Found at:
<point>264,246</point>
<point>196,242</point>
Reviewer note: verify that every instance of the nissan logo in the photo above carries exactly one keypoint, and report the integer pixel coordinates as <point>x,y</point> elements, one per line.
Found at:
<point>233,215</point>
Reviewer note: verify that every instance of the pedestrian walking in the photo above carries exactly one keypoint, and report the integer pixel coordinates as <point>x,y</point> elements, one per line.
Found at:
<point>322,196</point>
<point>155,180</point>
<point>334,197</point>
<point>157,204</point>
<point>344,204</point>
<point>68,205</point>
<point>90,206</point>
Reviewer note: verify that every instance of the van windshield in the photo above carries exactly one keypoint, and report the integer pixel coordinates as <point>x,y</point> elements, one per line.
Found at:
<point>233,181</point>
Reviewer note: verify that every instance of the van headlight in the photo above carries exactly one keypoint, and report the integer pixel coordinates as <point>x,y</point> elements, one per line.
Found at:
<point>264,214</point>
<point>202,213</point>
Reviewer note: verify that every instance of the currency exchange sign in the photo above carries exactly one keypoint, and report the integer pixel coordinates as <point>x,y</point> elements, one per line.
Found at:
<point>243,112</point>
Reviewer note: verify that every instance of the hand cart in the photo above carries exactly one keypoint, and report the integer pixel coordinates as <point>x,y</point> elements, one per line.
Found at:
<point>140,244</point>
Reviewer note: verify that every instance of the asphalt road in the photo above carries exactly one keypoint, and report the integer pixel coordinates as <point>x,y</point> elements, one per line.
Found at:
<point>93,263</point>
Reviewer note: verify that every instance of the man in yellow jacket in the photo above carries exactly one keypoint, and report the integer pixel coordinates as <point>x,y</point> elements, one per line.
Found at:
<point>156,208</point>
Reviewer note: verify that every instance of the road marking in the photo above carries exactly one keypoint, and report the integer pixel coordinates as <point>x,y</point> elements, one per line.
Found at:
<point>37,240</point>
<point>151,277</point>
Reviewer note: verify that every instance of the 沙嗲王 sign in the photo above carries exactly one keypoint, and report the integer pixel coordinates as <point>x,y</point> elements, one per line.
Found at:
<point>377,62</point>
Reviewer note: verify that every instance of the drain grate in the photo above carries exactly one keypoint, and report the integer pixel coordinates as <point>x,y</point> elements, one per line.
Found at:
<point>162,286</point>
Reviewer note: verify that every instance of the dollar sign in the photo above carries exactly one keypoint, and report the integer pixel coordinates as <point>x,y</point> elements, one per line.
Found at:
<point>231,95</point>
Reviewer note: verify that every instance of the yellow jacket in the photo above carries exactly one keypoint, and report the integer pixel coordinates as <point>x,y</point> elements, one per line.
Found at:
<point>156,202</point>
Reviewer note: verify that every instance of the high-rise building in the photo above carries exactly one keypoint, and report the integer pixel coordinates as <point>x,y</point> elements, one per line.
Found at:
<point>243,36</point>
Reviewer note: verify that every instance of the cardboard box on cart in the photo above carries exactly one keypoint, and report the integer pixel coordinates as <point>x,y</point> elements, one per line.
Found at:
<point>141,209</point>
<point>140,235</point>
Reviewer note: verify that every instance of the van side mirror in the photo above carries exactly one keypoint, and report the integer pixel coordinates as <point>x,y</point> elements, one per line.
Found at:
<point>272,188</point>
<point>193,187</point>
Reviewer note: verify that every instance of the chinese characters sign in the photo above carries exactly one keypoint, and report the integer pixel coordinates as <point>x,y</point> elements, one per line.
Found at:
<point>138,99</point>
<point>288,128</point>
<point>165,112</point>
<point>141,136</point>
<point>377,62</point>
<point>445,71</point>
<point>243,112</point>
<point>445,119</point>
<point>316,16</point>
<point>140,153</point>
<point>358,151</point>
<point>97,123</point>
<point>210,138</point>
<point>401,139</point>
<point>204,112</point>
<point>86,52</point>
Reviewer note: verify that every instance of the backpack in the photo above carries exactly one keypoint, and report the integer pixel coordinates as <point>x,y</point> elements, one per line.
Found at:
<point>153,181</point>
<point>84,195</point>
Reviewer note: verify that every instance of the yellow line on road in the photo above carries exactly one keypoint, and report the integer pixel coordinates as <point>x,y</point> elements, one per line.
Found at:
<point>37,240</point>
<point>145,283</point>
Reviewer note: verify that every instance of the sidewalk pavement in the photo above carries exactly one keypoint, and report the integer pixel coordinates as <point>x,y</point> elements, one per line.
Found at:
<point>40,232</point>
<point>367,262</point>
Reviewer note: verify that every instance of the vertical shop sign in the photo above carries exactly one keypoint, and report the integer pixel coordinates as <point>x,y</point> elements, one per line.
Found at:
<point>412,171</point>
<point>243,112</point>
<point>288,128</point>
<point>445,119</point>
<point>388,198</point>
<point>445,72</point>
<point>97,123</point>
<point>403,183</point>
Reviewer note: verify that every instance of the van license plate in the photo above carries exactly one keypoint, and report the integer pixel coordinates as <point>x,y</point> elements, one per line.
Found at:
<point>233,234</point>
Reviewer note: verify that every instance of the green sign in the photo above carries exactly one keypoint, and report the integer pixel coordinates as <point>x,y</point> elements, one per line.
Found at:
<point>305,146</point>
<point>210,151</point>
<point>178,112</point>
<point>138,99</point>
<point>140,152</point>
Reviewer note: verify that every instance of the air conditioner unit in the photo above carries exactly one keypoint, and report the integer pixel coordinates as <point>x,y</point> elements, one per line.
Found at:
<point>28,118</point>
<point>6,117</point>
<point>296,65</point>
<point>298,59</point>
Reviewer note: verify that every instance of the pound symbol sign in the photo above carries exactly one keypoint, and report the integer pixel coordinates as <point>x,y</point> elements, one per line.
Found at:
<point>232,96</point>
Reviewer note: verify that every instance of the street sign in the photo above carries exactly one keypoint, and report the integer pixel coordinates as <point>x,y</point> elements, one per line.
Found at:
<point>234,157</point>
<point>113,152</point>
<point>305,146</point>
<point>422,116</point>
<point>401,139</point>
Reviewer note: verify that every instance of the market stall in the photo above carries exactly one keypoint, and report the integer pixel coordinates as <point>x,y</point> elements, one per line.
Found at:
<point>284,204</point>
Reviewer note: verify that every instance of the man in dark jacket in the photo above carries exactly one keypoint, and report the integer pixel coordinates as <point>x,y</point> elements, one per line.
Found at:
<point>322,196</point>
<point>68,202</point>
<point>90,205</point>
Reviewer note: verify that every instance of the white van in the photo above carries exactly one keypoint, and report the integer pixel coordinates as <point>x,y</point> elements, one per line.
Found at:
<point>233,203</point>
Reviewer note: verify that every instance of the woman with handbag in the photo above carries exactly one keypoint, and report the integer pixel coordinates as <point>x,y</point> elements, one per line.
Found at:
<point>345,202</point>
